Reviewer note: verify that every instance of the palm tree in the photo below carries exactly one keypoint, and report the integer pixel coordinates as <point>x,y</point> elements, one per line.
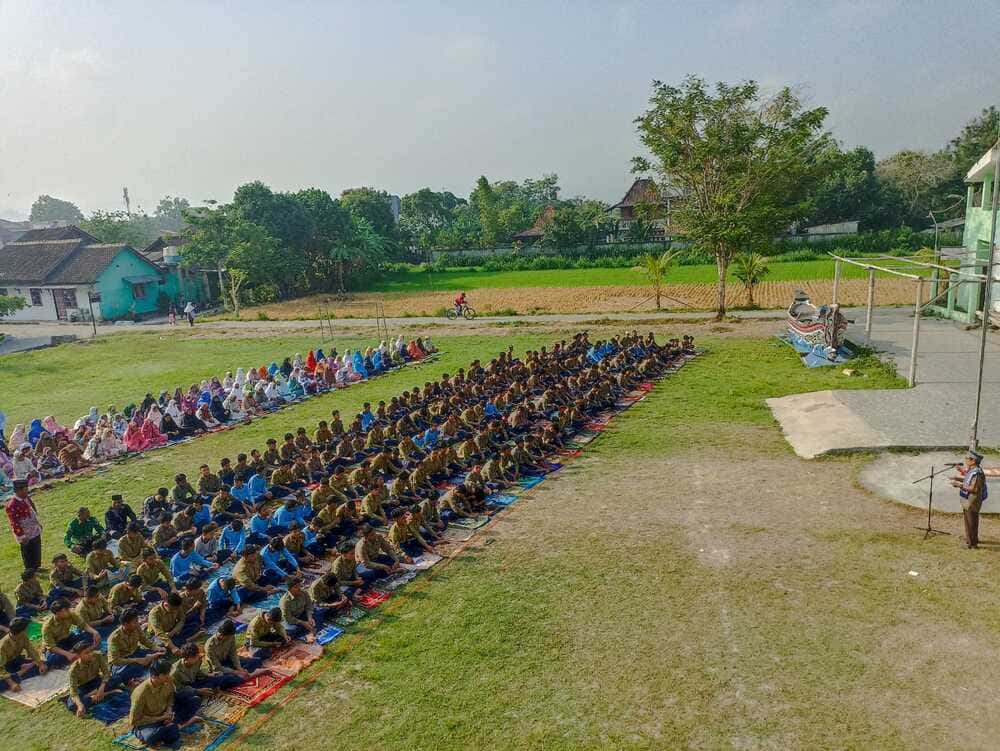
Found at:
<point>750,269</point>
<point>656,267</point>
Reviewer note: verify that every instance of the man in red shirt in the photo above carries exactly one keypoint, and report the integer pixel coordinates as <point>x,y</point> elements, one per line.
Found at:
<point>24,524</point>
<point>460,303</point>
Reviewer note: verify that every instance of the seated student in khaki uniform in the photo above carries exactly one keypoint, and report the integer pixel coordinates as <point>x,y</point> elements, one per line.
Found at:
<point>283,480</point>
<point>156,579</point>
<point>60,632</point>
<point>189,674</point>
<point>18,657</point>
<point>295,543</point>
<point>374,555</point>
<point>168,621</point>
<point>94,611</point>
<point>29,596</point>
<point>405,540</point>
<point>125,595</point>
<point>452,506</point>
<point>326,595</point>
<point>131,545</point>
<point>130,652</point>
<point>266,633</point>
<point>297,610</point>
<point>90,679</point>
<point>222,657</point>
<point>157,716</point>
<point>248,572</point>
<point>65,580</point>
<point>371,510</point>
<point>101,565</point>
<point>431,516</point>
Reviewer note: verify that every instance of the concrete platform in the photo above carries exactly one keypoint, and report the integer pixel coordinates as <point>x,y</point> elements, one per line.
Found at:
<point>892,474</point>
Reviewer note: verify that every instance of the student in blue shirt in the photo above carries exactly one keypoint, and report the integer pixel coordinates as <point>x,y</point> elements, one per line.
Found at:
<point>278,562</point>
<point>260,526</point>
<point>241,491</point>
<point>234,537</point>
<point>367,418</point>
<point>258,488</point>
<point>292,511</point>
<point>202,515</point>
<point>187,564</point>
<point>223,599</point>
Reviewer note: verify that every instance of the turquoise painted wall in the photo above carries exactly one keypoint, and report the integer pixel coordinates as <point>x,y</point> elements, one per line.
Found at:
<point>976,239</point>
<point>117,300</point>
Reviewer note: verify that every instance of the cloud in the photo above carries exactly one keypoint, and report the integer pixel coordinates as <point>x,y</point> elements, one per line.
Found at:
<point>66,66</point>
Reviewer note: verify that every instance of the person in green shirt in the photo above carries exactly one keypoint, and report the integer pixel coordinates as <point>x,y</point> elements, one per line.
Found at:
<point>94,611</point>
<point>266,633</point>
<point>90,679</point>
<point>59,634</point>
<point>82,532</point>
<point>157,715</point>
<point>18,657</point>
<point>297,610</point>
<point>101,565</point>
<point>221,655</point>
<point>30,598</point>
<point>188,674</point>
<point>65,579</point>
<point>125,595</point>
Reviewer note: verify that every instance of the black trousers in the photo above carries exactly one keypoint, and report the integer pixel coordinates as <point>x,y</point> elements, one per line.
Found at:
<point>31,553</point>
<point>971,527</point>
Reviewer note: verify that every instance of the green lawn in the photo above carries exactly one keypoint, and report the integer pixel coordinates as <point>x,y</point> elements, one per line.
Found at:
<point>509,646</point>
<point>469,279</point>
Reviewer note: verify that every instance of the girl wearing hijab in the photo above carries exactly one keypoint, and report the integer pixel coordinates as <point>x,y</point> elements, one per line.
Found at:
<point>191,425</point>
<point>18,436</point>
<point>49,465</point>
<point>286,367</point>
<point>358,363</point>
<point>23,466</point>
<point>35,431</point>
<point>45,441</point>
<point>174,411</point>
<point>262,372</point>
<point>111,447</point>
<point>218,411</point>
<point>52,427</point>
<point>162,401</point>
<point>241,378</point>
<point>252,376</point>
<point>146,402</point>
<point>273,369</point>
<point>132,437</point>
<point>170,428</point>
<point>118,425</point>
<point>205,415</point>
<point>228,382</point>
<point>155,415</point>
<point>311,362</point>
<point>151,434</point>
<point>297,362</point>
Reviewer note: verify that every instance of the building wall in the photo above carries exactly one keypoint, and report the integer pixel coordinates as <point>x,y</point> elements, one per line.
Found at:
<point>976,240</point>
<point>117,298</point>
<point>47,310</point>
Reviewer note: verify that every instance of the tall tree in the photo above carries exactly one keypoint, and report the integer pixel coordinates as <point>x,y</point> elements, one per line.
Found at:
<point>49,209</point>
<point>976,138</point>
<point>372,205</point>
<point>425,214</point>
<point>484,202</point>
<point>922,181</point>
<point>169,213</point>
<point>850,189</point>
<point>135,230</point>
<point>331,227</point>
<point>744,163</point>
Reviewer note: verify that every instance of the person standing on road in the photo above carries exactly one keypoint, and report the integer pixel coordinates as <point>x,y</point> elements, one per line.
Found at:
<point>972,490</point>
<point>189,312</point>
<point>172,315</point>
<point>23,518</point>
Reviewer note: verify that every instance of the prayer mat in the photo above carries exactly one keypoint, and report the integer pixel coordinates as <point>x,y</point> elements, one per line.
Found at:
<point>294,658</point>
<point>113,708</point>
<point>34,630</point>
<point>248,614</point>
<point>472,522</point>
<point>445,485</point>
<point>422,562</point>
<point>456,535</point>
<point>254,690</point>
<point>501,499</point>
<point>347,619</point>
<point>40,689</point>
<point>222,710</point>
<point>397,581</point>
<point>373,598</point>
<point>213,628</point>
<point>271,601</point>
<point>527,483</point>
<point>647,386</point>
<point>595,427</point>
<point>584,437</point>
<point>570,453</point>
<point>327,634</point>
<point>204,735</point>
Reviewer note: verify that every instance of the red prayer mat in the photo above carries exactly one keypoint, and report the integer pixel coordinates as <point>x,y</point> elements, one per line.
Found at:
<point>570,453</point>
<point>647,386</point>
<point>294,658</point>
<point>373,598</point>
<point>253,691</point>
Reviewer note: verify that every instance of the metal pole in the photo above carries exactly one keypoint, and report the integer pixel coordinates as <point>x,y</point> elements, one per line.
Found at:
<point>90,303</point>
<point>987,293</point>
<point>916,333</point>
<point>836,280</point>
<point>871,302</point>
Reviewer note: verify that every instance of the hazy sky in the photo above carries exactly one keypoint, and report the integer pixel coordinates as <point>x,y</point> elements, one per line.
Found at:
<point>193,99</point>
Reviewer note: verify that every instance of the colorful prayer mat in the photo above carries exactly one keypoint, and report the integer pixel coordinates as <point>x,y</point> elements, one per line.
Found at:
<point>354,616</point>
<point>397,581</point>
<point>254,690</point>
<point>570,453</point>
<point>527,483</point>
<point>206,735</point>
<point>471,522</point>
<point>501,499</point>
<point>327,634</point>
<point>373,598</point>
<point>294,658</point>
<point>453,534</point>
<point>40,689</point>
<point>222,710</point>
<point>422,562</point>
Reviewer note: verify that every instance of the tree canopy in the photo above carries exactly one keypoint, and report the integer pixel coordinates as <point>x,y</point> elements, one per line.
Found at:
<point>49,209</point>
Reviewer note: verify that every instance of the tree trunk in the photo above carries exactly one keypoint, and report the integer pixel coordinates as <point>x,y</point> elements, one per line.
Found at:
<point>657,296</point>
<point>222,285</point>
<point>750,294</point>
<point>722,264</point>
<point>235,292</point>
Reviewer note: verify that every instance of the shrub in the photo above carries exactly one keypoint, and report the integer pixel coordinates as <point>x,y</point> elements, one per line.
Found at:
<point>263,294</point>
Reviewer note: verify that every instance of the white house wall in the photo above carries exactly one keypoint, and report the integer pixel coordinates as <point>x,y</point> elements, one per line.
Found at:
<point>47,310</point>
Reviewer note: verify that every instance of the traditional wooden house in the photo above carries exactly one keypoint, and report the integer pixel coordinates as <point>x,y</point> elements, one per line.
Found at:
<point>536,231</point>
<point>648,202</point>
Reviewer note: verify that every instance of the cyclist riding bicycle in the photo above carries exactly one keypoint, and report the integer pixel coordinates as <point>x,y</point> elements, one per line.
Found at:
<point>460,304</point>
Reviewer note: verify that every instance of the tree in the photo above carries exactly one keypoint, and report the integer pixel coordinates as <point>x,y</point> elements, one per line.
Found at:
<point>850,189</point>
<point>425,214</point>
<point>11,304</point>
<point>566,230</point>
<point>744,163</point>
<point>750,269</point>
<point>483,201</point>
<point>976,138</point>
<point>373,206</point>
<point>169,213</point>
<point>655,267</point>
<point>49,209</point>
<point>331,226</point>
<point>116,227</point>
<point>921,180</point>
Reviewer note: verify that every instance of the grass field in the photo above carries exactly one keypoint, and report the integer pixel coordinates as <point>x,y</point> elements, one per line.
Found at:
<point>687,584</point>
<point>456,279</point>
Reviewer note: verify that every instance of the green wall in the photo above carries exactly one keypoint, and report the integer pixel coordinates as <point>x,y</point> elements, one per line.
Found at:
<point>117,300</point>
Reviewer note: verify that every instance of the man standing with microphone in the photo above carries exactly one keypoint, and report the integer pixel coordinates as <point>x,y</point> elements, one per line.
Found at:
<point>972,490</point>
<point>23,518</point>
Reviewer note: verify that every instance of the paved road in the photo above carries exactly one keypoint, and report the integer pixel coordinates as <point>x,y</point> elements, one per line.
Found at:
<point>937,413</point>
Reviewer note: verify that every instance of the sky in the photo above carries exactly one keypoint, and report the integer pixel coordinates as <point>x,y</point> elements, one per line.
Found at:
<point>194,99</point>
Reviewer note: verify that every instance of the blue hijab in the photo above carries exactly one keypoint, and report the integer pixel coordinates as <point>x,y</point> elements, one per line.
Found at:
<point>359,364</point>
<point>35,431</point>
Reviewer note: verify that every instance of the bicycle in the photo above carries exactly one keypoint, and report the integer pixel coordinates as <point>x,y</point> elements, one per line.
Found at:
<point>467,313</point>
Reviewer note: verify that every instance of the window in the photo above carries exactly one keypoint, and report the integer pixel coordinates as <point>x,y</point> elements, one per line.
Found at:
<point>36,297</point>
<point>138,291</point>
<point>68,297</point>
<point>3,292</point>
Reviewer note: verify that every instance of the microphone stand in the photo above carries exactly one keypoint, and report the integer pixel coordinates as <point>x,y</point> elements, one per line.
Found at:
<point>929,530</point>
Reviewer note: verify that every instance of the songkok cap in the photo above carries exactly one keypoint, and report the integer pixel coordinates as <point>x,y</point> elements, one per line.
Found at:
<point>976,456</point>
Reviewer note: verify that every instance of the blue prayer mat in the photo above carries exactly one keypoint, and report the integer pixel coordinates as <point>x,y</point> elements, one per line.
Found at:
<point>527,483</point>
<point>113,708</point>
<point>501,499</point>
<point>327,634</point>
<point>210,732</point>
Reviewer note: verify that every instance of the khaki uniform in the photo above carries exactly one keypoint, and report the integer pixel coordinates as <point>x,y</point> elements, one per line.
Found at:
<point>122,644</point>
<point>91,612</point>
<point>296,610</point>
<point>81,673</point>
<point>262,633</point>
<point>12,647</point>
<point>149,702</point>
<point>220,652</point>
<point>165,621</point>
<point>54,630</point>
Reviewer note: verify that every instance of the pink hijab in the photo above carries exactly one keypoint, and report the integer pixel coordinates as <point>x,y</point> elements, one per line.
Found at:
<point>152,435</point>
<point>133,438</point>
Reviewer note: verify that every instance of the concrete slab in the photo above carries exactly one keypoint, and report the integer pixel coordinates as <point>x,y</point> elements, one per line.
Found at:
<point>891,475</point>
<point>818,422</point>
